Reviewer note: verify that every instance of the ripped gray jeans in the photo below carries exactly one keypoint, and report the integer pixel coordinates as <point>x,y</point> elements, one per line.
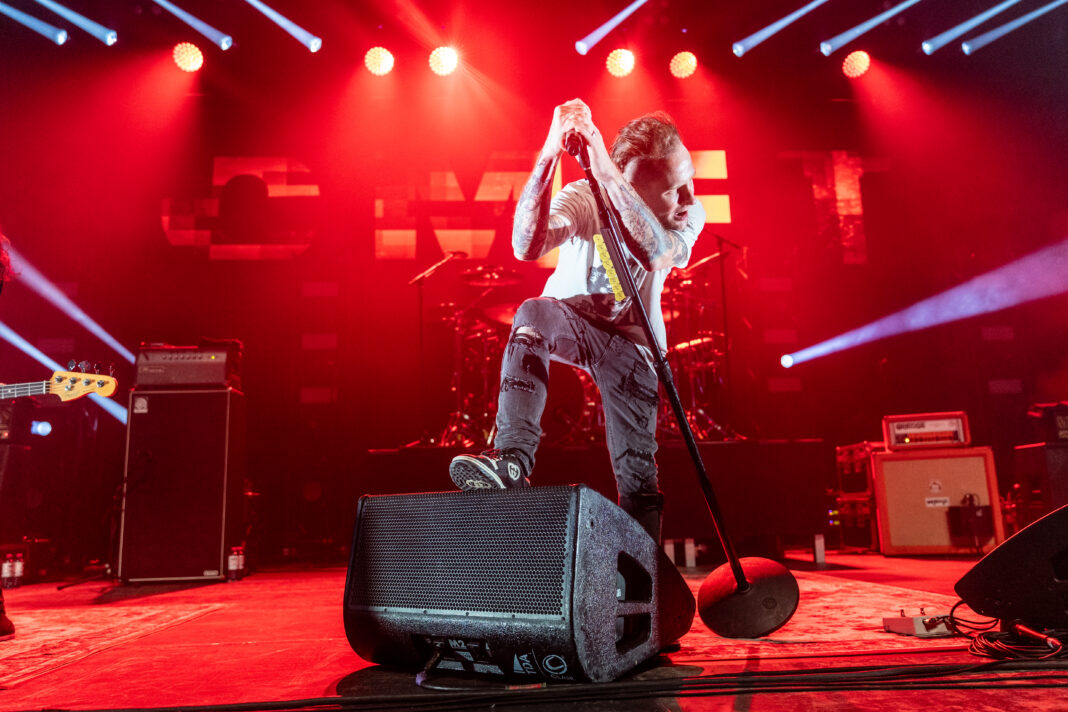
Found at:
<point>544,329</point>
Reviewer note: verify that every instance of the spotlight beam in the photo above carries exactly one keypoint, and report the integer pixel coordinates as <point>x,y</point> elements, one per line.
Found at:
<point>586,43</point>
<point>1036,276</point>
<point>105,35</point>
<point>939,41</point>
<point>223,40</point>
<point>306,38</point>
<point>742,46</point>
<point>983,40</point>
<point>9,335</point>
<point>29,275</point>
<point>57,35</point>
<point>836,42</point>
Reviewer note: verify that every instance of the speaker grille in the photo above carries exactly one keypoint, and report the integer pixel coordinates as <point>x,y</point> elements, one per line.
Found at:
<point>488,552</point>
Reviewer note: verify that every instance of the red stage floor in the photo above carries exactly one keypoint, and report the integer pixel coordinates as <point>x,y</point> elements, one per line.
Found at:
<point>278,636</point>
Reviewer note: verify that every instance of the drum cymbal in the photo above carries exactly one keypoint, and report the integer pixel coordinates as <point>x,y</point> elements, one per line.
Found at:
<point>490,276</point>
<point>708,345</point>
<point>503,314</point>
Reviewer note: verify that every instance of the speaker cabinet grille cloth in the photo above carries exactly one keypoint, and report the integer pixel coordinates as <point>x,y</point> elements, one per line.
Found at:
<point>510,558</point>
<point>552,583</point>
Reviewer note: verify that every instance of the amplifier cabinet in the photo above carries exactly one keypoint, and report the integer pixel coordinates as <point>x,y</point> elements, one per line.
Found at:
<point>1041,471</point>
<point>183,484</point>
<point>937,501</point>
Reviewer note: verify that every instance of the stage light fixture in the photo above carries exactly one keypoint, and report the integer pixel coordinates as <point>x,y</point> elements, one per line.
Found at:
<point>57,35</point>
<point>997,33</point>
<point>939,41</point>
<point>105,35</point>
<point>586,43</point>
<point>12,337</point>
<point>683,65</point>
<point>223,40</point>
<point>1041,274</point>
<point>43,287</point>
<point>41,428</point>
<point>379,61</point>
<point>856,64</point>
<point>306,38</point>
<point>444,61</point>
<point>742,46</point>
<point>620,62</point>
<point>836,42</point>
<point>188,56</point>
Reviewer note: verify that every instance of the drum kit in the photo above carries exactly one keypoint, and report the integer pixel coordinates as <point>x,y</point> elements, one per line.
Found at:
<point>573,415</point>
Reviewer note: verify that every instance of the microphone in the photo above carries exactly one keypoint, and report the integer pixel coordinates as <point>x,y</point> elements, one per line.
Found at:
<point>573,142</point>
<point>459,254</point>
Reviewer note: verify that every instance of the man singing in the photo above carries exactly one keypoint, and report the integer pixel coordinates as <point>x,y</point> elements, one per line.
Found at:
<point>648,180</point>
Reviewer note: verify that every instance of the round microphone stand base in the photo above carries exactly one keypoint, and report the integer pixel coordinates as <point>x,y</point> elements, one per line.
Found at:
<point>765,606</point>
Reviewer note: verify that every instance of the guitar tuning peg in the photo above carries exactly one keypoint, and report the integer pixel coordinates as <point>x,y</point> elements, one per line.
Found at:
<point>111,369</point>
<point>96,367</point>
<point>71,364</point>
<point>83,366</point>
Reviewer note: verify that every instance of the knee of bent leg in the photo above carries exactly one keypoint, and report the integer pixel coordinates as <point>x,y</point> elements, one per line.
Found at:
<point>526,335</point>
<point>533,312</point>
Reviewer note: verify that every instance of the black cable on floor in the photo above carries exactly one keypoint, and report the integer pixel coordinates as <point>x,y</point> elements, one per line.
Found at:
<point>865,678</point>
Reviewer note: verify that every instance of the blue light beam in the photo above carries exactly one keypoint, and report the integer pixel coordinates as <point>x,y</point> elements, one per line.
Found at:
<point>939,41</point>
<point>223,40</point>
<point>997,33</point>
<point>836,42</point>
<point>586,43</point>
<point>36,281</point>
<point>41,27</point>
<point>306,38</point>
<point>1036,276</point>
<point>742,46</point>
<point>104,34</point>
<point>8,334</point>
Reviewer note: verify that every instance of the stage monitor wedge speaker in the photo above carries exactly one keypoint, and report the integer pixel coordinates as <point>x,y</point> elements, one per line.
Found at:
<point>532,584</point>
<point>182,490</point>
<point>1026,578</point>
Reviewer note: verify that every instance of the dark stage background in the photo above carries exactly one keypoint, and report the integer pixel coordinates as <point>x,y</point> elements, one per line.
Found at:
<point>947,167</point>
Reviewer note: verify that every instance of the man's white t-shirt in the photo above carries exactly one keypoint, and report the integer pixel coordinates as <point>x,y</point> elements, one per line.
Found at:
<point>580,279</point>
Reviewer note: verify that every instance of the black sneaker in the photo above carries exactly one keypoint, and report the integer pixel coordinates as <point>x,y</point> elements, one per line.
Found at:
<point>493,469</point>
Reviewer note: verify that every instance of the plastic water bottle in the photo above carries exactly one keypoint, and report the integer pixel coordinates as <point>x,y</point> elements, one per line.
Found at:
<point>242,571</point>
<point>233,565</point>
<point>19,570</point>
<point>7,571</point>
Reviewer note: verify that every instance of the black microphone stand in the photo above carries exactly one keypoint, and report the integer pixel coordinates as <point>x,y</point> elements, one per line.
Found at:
<point>740,599</point>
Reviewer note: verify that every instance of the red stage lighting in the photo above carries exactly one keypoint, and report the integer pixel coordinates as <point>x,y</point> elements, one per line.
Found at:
<point>379,61</point>
<point>188,57</point>
<point>856,64</point>
<point>683,64</point>
<point>444,60</point>
<point>620,62</point>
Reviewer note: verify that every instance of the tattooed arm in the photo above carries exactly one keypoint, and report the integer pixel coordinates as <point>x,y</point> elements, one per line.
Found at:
<point>531,224</point>
<point>536,229</point>
<point>653,244</point>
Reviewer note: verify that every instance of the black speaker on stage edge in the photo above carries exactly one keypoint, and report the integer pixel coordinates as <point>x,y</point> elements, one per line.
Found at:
<point>1026,578</point>
<point>540,583</point>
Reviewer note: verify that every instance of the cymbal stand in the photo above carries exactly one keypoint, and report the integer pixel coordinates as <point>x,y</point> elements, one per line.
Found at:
<point>418,280</point>
<point>728,386</point>
<point>463,428</point>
